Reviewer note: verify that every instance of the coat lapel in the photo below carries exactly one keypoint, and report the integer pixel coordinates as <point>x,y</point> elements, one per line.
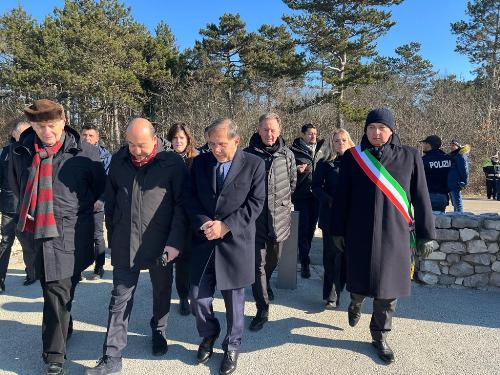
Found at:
<point>210,171</point>
<point>236,167</point>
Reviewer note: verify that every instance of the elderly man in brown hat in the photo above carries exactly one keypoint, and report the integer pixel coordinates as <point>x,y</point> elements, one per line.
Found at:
<point>56,178</point>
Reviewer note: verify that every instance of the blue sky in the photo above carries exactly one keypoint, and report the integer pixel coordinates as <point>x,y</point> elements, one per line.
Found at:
<point>425,21</point>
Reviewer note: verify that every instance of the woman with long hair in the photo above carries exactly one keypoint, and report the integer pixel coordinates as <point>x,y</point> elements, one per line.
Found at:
<point>324,186</point>
<point>183,144</point>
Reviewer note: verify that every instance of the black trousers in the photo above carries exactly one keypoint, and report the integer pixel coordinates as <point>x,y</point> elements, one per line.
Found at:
<point>182,266</point>
<point>125,282</point>
<point>491,188</point>
<point>99,243</point>
<point>383,311</point>
<point>334,264</point>
<point>266,259</point>
<point>57,299</point>
<point>308,218</point>
<point>8,231</point>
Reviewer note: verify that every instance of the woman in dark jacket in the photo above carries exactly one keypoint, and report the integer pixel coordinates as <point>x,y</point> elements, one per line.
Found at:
<point>183,144</point>
<point>324,184</point>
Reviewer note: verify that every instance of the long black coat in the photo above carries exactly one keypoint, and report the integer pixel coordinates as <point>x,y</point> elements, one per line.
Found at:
<point>275,220</point>
<point>238,206</point>
<point>8,202</point>
<point>377,236</point>
<point>324,187</point>
<point>143,208</point>
<point>78,180</point>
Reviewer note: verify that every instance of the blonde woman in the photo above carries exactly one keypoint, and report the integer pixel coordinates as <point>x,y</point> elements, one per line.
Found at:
<point>324,185</point>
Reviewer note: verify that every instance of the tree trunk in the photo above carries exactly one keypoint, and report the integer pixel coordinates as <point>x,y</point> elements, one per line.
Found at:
<point>340,102</point>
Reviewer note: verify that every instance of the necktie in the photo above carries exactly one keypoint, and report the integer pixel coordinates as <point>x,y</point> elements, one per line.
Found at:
<point>219,178</point>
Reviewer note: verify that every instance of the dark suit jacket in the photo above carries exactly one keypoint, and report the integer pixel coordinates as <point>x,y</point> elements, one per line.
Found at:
<point>238,206</point>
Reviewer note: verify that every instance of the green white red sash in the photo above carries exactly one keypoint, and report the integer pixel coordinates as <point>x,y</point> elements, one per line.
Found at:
<point>381,177</point>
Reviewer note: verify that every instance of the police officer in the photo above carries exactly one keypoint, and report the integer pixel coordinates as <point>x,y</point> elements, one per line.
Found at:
<point>437,165</point>
<point>491,170</point>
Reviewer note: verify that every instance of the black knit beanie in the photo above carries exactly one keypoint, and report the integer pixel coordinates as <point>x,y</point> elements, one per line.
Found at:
<point>382,116</point>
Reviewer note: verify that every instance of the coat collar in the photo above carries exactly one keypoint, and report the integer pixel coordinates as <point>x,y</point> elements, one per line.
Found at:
<point>237,164</point>
<point>26,145</point>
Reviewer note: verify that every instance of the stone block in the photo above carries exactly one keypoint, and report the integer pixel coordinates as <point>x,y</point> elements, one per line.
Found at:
<point>465,221</point>
<point>480,259</point>
<point>491,224</point>
<point>447,234</point>
<point>452,247</point>
<point>446,280</point>
<point>443,221</point>
<point>476,246</point>
<point>430,266</point>
<point>467,234</point>
<point>428,278</point>
<point>495,279</point>
<point>445,270</point>
<point>493,248</point>
<point>452,258</point>
<point>461,269</point>
<point>436,255</point>
<point>489,235</point>
<point>459,280</point>
<point>496,266</point>
<point>482,269</point>
<point>476,281</point>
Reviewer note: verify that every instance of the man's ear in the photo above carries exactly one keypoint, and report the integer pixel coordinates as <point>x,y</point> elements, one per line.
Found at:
<point>237,140</point>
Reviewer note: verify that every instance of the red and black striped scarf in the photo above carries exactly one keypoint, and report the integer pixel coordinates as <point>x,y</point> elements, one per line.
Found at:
<point>36,213</point>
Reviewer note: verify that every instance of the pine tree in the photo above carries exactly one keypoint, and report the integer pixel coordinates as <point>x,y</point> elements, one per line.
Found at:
<point>479,39</point>
<point>340,36</point>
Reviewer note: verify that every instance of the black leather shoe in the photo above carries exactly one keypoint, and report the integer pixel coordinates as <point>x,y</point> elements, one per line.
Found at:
<point>160,345</point>
<point>384,352</point>
<point>97,274</point>
<point>206,349</point>
<point>305,271</point>
<point>354,314</point>
<point>229,362</point>
<point>54,368</point>
<point>270,294</point>
<point>258,322</point>
<point>184,308</point>
<point>70,328</point>
<point>106,366</point>
<point>27,281</point>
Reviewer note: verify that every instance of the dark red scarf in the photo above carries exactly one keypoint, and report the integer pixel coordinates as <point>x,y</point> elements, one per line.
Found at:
<point>37,210</point>
<point>148,159</point>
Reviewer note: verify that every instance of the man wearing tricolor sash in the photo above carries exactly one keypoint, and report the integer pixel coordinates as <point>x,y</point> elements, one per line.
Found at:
<point>383,214</point>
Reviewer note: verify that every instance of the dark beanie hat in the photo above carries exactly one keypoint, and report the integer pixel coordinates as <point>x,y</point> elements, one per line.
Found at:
<point>380,115</point>
<point>44,110</point>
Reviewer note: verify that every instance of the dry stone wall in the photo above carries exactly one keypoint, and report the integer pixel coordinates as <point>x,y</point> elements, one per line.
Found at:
<point>466,252</point>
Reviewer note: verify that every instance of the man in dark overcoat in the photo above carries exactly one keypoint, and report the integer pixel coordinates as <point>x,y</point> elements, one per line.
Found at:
<point>375,235</point>
<point>56,178</point>
<point>224,197</point>
<point>308,151</point>
<point>274,222</point>
<point>146,229</point>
